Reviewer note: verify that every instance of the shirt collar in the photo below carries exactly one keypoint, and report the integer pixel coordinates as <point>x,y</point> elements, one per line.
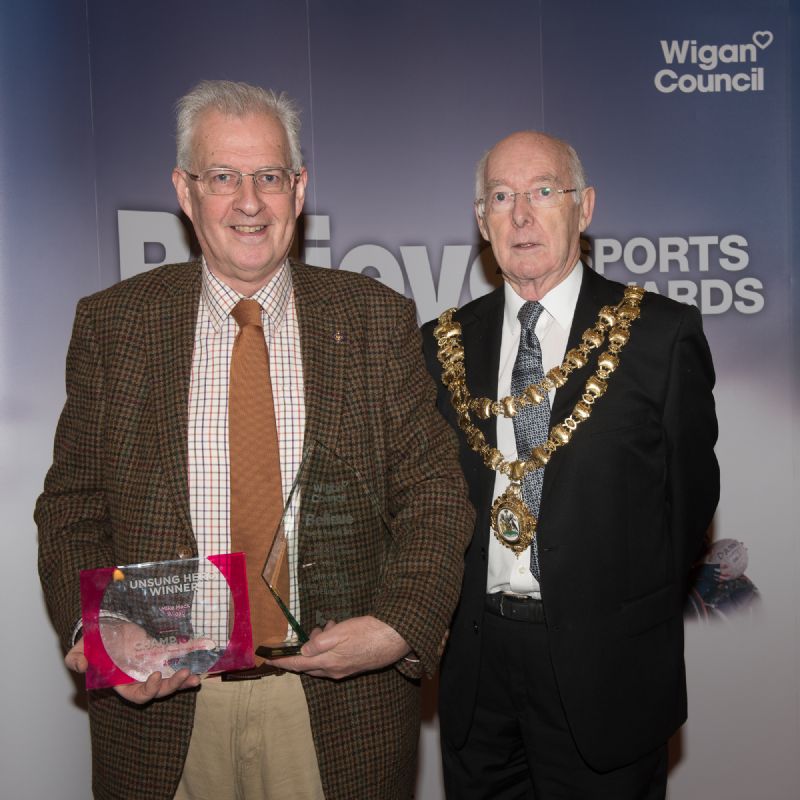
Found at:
<point>220,299</point>
<point>559,303</point>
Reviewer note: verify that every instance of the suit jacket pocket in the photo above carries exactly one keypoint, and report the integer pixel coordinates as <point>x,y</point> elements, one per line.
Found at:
<point>651,610</point>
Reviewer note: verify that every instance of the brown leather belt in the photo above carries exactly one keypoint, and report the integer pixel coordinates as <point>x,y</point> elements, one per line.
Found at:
<point>261,671</point>
<point>515,606</point>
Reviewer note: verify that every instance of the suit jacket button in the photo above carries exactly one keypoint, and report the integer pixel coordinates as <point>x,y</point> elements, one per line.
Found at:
<point>184,552</point>
<point>474,626</point>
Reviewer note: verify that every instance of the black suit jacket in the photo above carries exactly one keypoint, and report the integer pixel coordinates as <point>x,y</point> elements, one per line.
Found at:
<point>625,507</point>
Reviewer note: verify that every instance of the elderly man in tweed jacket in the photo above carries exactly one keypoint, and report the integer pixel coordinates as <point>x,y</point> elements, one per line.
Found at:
<point>347,368</point>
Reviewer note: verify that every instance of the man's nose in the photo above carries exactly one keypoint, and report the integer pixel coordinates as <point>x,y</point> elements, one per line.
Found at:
<point>522,210</point>
<point>248,199</point>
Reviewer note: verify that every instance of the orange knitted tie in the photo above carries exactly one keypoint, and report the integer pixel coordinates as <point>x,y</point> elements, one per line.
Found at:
<point>256,496</point>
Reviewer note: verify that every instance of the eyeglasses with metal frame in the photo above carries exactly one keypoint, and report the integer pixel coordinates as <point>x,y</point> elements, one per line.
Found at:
<point>267,180</point>
<point>544,196</point>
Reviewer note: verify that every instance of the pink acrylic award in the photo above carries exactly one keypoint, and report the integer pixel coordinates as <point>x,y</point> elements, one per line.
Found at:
<point>163,616</point>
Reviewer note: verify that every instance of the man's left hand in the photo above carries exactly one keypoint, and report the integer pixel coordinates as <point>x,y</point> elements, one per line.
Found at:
<point>341,649</point>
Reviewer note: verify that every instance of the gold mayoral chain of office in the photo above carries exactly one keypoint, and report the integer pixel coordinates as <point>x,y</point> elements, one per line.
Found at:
<point>512,522</point>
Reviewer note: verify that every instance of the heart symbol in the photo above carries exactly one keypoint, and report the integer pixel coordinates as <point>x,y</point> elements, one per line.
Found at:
<point>763,39</point>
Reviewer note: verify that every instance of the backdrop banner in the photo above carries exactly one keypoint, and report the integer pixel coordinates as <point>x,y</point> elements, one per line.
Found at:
<point>684,120</point>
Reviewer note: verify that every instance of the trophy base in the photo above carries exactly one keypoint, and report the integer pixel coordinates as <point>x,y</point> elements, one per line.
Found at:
<point>278,650</point>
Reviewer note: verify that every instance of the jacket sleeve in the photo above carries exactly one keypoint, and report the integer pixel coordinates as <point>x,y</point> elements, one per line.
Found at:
<point>431,517</point>
<point>690,425</point>
<point>71,512</point>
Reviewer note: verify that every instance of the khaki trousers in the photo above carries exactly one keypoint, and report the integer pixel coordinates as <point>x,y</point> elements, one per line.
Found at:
<point>251,740</point>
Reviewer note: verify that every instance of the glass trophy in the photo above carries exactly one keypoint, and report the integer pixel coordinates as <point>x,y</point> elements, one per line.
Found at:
<point>335,534</point>
<point>163,616</point>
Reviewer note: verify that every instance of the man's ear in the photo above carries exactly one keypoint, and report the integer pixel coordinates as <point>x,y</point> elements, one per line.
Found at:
<point>181,184</point>
<point>587,207</point>
<point>300,191</point>
<point>479,216</point>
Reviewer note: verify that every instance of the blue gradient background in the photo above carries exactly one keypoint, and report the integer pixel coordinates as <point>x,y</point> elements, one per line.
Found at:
<point>399,101</point>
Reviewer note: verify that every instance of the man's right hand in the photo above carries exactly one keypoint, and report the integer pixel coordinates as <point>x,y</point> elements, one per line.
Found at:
<point>138,692</point>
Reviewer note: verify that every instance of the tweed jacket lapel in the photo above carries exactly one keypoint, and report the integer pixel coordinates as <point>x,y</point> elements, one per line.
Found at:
<point>170,325</point>
<point>324,341</point>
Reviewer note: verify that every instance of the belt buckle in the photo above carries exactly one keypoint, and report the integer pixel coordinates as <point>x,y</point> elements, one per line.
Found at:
<point>503,613</point>
<point>520,598</point>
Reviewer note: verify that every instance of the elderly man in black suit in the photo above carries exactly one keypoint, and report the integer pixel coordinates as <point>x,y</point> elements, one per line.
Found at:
<point>587,430</point>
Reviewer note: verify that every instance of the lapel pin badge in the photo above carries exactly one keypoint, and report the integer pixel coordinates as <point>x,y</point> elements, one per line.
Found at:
<point>339,337</point>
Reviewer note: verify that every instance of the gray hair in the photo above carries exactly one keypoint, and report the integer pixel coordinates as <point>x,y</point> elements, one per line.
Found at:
<point>576,174</point>
<point>235,100</point>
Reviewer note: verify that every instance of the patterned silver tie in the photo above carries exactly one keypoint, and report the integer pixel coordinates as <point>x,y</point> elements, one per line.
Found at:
<point>531,423</point>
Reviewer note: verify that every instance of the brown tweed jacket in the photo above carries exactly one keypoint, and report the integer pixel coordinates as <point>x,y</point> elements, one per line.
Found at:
<point>117,493</point>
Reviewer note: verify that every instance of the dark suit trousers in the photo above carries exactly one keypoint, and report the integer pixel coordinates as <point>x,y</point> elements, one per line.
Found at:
<point>519,746</point>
